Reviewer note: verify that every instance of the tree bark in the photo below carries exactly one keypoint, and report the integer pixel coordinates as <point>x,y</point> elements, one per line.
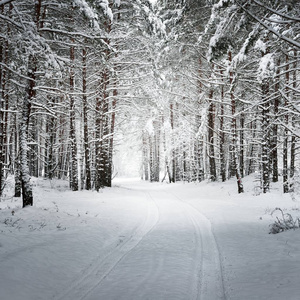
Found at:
<point>242,129</point>
<point>112,132</point>
<point>285,134</point>
<point>211,140</point>
<point>24,166</point>
<point>173,176</point>
<point>2,155</point>
<point>4,55</point>
<point>145,157</point>
<point>102,134</point>
<point>85,122</point>
<point>274,153</point>
<point>293,138</point>
<point>72,134</point>
<point>222,136</point>
<point>233,146</point>
<point>265,161</point>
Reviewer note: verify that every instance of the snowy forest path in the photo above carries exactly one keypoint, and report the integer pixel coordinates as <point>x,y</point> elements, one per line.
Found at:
<point>211,273</point>
<point>102,265</point>
<point>176,257</point>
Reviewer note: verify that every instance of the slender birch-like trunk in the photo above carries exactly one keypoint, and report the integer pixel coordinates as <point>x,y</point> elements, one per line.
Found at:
<point>233,146</point>
<point>285,133</point>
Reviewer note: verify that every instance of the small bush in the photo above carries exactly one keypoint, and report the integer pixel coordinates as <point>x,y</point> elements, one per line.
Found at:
<point>284,222</point>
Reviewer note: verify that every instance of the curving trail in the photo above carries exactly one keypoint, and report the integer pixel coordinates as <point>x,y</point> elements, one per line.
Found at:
<point>211,273</point>
<point>173,254</point>
<point>103,265</point>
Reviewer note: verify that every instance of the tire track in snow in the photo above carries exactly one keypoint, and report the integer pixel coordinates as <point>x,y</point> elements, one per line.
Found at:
<point>100,267</point>
<point>153,269</point>
<point>195,275</point>
<point>210,270</point>
<point>205,275</point>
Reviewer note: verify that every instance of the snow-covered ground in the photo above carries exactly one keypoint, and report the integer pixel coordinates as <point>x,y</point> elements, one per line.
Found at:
<point>139,241</point>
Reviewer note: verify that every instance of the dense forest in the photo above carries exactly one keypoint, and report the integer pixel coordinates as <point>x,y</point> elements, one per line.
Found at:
<point>209,89</point>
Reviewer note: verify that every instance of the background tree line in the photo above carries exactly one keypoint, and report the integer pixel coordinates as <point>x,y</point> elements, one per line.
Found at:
<point>209,89</point>
<point>230,90</point>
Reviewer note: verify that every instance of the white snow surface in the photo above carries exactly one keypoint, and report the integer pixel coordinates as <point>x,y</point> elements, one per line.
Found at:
<point>140,240</point>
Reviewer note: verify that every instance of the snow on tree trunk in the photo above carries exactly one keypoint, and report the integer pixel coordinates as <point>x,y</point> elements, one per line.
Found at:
<point>233,145</point>
<point>211,139</point>
<point>241,156</point>
<point>102,134</point>
<point>265,147</point>
<point>25,178</point>
<point>4,78</point>
<point>154,152</point>
<point>2,154</point>
<point>285,133</point>
<point>173,153</point>
<point>145,157</point>
<point>98,142</point>
<point>222,136</point>
<point>104,164</point>
<point>18,184</point>
<point>73,171</point>
<point>85,122</point>
<point>50,165</point>
<point>293,138</point>
<point>24,166</point>
<point>15,158</point>
<point>274,147</point>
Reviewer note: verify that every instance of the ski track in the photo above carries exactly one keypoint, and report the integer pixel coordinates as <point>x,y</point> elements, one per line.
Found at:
<point>210,271</point>
<point>206,274</point>
<point>100,267</point>
<point>155,270</point>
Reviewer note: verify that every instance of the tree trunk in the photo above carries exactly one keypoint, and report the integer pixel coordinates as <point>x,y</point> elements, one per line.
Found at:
<point>85,123</point>
<point>98,143</point>
<point>50,164</point>
<point>105,139</point>
<point>145,157</point>
<point>113,116</point>
<point>198,143</point>
<point>274,153</point>
<point>4,48</point>
<point>72,134</point>
<point>285,133</point>
<point>27,194</point>
<point>167,172</point>
<point>18,184</point>
<point>265,161</point>
<point>154,154</point>
<point>111,138</point>
<point>26,109</point>
<point>173,176</point>
<point>242,124</point>
<point>222,136</point>
<point>16,157</point>
<point>2,154</point>
<point>104,160</point>
<point>151,160</point>
<point>252,148</point>
<point>293,138</point>
<point>211,146</point>
<point>233,146</point>
<point>102,139</point>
